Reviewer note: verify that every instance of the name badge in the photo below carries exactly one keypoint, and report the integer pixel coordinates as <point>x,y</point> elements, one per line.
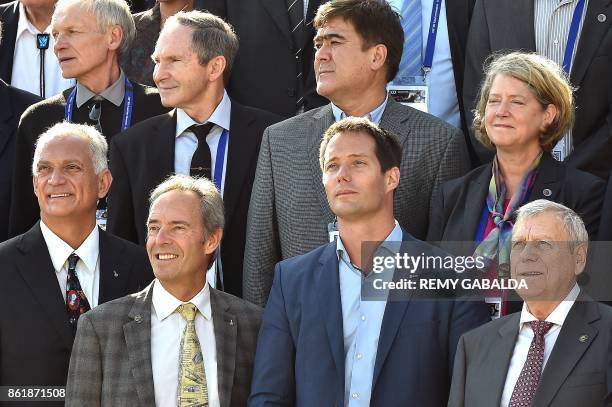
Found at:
<point>494,304</point>
<point>101,218</point>
<point>333,232</point>
<point>415,96</point>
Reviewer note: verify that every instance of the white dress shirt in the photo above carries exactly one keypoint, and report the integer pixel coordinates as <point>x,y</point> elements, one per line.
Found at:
<point>525,336</point>
<point>87,268</point>
<point>26,61</point>
<point>167,328</point>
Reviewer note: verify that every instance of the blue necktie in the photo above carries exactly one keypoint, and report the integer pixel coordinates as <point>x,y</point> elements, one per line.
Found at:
<point>410,69</point>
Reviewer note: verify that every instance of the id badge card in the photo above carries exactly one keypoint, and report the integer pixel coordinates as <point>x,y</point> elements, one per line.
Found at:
<point>494,304</point>
<point>101,217</point>
<point>415,96</point>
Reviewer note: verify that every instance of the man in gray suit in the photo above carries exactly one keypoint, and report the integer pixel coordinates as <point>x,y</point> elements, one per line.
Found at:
<point>354,60</point>
<point>555,351</point>
<point>180,340</point>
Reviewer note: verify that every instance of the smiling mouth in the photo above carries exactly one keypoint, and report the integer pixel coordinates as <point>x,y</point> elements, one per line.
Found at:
<point>54,196</point>
<point>531,274</point>
<point>165,256</point>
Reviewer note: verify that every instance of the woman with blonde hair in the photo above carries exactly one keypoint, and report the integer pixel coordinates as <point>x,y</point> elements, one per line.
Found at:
<point>525,106</point>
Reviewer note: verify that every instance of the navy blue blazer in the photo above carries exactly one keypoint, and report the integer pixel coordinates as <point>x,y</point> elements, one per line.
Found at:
<point>300,351</point>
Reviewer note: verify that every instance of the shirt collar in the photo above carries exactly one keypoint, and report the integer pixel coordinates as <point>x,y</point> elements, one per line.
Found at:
<point>24,24</point>
<point>59,251</point>
<point>374,116</point>
<point>560,312</point>
<point>220,116</point>
<point>165,304</point>
<point>114,93</point>
<point>392,242</point>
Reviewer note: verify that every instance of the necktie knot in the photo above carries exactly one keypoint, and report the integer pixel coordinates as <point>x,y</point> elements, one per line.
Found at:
<point>73,259</point>
<point>201,130</point>
<point>187,311</point>
<point>540,328</point>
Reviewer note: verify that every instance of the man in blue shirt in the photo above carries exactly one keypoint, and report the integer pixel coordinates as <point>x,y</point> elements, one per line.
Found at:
<point>321,342</point>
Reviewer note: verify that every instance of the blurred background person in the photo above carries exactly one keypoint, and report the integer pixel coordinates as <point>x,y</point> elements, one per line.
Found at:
<point>525,106</point>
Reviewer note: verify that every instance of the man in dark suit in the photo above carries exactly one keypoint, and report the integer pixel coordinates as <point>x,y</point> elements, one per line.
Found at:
<point>64,264</point>
<point>179,320</point>
<point>553,353</point>
<point>273,69</point>
<point>321,342</point>
<point>231,141</point>
<point>103,95</point>
<point>14,101</point>
<point>288,213</point>
<point>494,28</point>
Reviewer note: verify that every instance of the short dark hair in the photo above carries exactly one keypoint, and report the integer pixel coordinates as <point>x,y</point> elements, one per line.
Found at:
<point>387,148</point>
<point>375,22</point>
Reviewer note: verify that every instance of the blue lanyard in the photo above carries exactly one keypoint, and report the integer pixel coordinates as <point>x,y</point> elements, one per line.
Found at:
<point>431,37</point>
<point>571,37</point>
<point>128,105</point>
<point>218,177</point>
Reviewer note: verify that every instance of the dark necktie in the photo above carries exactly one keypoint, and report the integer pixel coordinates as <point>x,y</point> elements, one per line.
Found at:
<point>76,302</point>
<point>295,9</point>
<point>200,162</point>
<point>527,383</point>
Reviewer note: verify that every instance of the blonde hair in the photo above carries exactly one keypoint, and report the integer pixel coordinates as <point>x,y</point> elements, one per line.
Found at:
<point>547,82</point>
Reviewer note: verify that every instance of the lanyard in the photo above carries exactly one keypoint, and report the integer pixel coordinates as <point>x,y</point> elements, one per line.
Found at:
<point>218,173</point>
<point>128,105</point>
<point>572,36</point>
<point>431,37</point>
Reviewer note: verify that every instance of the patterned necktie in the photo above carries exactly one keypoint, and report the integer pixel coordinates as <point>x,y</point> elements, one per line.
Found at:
<point>201,162</point>
<point>76,302</point>
<point>527,383</point>
<point>192,389</point>
<point>295,10</point>
<point>412,61</point>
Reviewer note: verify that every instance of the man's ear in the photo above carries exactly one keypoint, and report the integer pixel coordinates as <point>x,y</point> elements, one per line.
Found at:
<point>393,178</point>
<point>378,57</point>
<point>115,34</point>
<point>105,179</point>
<point>216,68</point>
<point>580,257</point>
<point>213,241</point>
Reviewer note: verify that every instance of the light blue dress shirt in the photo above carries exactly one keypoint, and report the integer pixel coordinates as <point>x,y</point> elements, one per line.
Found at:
<point>362,321</point>
<point>442,100</point>
<point>186,142</point>
<point>374,116</point>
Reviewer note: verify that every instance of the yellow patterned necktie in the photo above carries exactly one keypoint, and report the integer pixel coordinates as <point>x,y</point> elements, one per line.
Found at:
<point>192,391</point>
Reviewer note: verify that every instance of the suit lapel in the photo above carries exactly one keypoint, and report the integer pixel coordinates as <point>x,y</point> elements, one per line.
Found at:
<point>162,143</point>
<point>590,38</point>
<point>319,122</point>
<point>38,272</point>
<point>6,114</point>
<point>549,181</point>
<point>243,146</point>
<point>567,350</point>
<point>9,36</point>
<point>114,268</point>
<point>226,331</point>
<point>327,283</point>
<point>137,334</point>
<point>521,11</point>
<point>278,11</point>
<point>472,210</point>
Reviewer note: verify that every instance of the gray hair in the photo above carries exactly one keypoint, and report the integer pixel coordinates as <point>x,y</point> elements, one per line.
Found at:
<point>573,224</point>
<point>98,147</point>
<point>211,37</point>
<point>211,204</point>
<point>108,13</point>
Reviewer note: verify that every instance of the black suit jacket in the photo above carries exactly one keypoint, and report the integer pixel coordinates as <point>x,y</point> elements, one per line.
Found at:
<point>35,337</point>
<point>13,101</point>
<point>24,210</point>
<point>265,70</point>
<point>143,156</point>
<point>508,25</point>
<point>9,15</point>
<point>459,205</point>
<point>575,374</point>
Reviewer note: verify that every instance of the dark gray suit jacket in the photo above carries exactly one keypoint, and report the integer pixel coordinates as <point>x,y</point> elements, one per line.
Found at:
<point>111,358</point>
<point>289,213</point>
<point>509,25</point>
<point>575,374</point>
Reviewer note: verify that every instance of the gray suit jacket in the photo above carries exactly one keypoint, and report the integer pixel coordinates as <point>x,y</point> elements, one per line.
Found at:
<point>575,374</point>
<point>289,213</point>
<point>111,357</point>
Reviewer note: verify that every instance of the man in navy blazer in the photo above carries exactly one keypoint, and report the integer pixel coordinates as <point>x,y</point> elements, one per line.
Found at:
<point>321,343</point>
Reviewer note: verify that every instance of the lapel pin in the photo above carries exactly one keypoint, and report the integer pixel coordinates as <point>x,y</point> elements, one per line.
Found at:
<point>601,18</point>
<point>546,192</point>
<point>583,338</point>
<point>138,319</point>
<point>115,274</point>
<point>231,322</point>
